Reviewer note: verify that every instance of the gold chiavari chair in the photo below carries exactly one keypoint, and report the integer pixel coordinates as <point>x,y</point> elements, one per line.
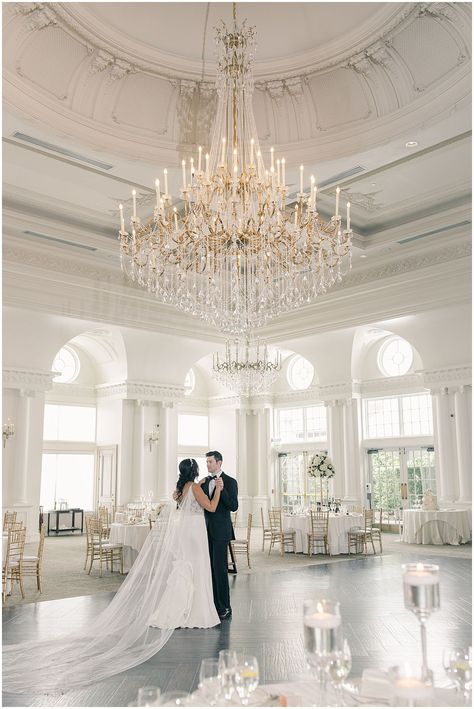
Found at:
<point>233,519</point>
<point>357,537</point>
<point>8,519</point>
<point>242,546</point>
<point>284,537</point>
<point>319,522</point>
<point>266,531</point>
<point>102,549</point>
<point>33,565</point>
<point>377,527</point>
<point>103,517</point>
<point>12,569</point>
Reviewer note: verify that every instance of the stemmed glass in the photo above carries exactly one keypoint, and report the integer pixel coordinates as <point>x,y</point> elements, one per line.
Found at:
<point>209,679</point>
<point>339,667</point>
<point>247,677</point>
<point>421,594</point>
<point>458,666</point>
<point>322,638</point>
<point>148,697</point>
<point>227,672</point>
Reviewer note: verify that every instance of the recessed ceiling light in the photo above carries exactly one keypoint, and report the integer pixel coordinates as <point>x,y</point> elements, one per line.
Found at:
<point>373,184</point>
<point>363,255</point>
<point>411,144</point>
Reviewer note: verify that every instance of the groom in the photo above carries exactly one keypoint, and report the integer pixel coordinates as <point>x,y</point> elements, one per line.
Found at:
<point>219,529</point>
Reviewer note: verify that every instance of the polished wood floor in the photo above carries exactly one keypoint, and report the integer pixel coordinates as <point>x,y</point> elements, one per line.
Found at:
<point>267,622</point>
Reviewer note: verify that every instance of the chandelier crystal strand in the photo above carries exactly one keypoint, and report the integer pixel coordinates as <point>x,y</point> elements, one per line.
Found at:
<point>232,252</point>
<point>246,368</point>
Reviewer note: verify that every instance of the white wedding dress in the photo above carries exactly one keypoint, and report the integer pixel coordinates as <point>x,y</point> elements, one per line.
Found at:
<point>169,586</point>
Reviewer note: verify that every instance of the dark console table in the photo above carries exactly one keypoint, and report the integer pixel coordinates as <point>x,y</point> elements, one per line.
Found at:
<point>75,521</point>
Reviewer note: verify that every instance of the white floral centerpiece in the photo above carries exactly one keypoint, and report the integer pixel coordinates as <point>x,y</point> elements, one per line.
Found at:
<point>320,466</point>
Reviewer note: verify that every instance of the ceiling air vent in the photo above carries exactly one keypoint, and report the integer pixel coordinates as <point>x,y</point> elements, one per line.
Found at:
<point>434,231</point>
<point>61,151</point>
<point>59,241</point>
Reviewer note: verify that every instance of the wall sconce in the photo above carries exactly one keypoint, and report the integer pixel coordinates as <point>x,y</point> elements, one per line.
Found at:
<point>8,431</point>
<point>153,436</point>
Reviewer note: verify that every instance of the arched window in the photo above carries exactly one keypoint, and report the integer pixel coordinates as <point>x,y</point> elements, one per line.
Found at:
<point>189,382</point>
<point>67,364</point>
<point>300,373</point>
<point>395,357</point>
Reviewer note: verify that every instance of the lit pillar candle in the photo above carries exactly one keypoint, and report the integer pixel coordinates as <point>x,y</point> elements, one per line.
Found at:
<point>207,166</point>
<point>158,195</point>
<point>183,165</point>
<point>223,152</point>
<point>412,688</point>
<point>199,158</point>
<point>348,225</point>
<point>301,178</point>
<point>134,197</point>
<point>252,145</point>
<point>165,172</point>
<point>338,189</point>
<point>322,620</point>
<point>272,152</point>
<point>122,222</point>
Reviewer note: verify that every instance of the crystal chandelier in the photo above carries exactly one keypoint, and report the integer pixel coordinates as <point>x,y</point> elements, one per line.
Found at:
<point>246,368</point>
<point>233,251</point>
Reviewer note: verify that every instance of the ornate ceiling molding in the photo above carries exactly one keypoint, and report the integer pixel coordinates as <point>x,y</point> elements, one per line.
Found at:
<point>448,376</point>
<point>27,379</point>
<point>141,391</point>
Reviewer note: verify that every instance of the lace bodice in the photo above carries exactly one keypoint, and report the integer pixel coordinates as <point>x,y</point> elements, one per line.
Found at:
<point>193,506</point>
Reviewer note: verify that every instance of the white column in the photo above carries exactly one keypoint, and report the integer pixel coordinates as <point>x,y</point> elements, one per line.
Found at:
<point>22,435</point>
<point>167,452</point>
<point>138,472</point>
<point>336,445</point>
<point>445,444</point>
<point>353,484</point>
<point>463,426</point>
<point>126,461</point>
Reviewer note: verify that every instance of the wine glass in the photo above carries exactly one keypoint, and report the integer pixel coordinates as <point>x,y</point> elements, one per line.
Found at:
<point>322,638</point>
<point>209,678</point>
<point>227,672</point>
<point>247,677</point>
<point>458,666</point>
<point>339,667</point>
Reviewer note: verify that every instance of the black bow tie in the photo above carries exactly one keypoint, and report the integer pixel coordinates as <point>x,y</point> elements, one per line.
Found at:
<point>213,477</point>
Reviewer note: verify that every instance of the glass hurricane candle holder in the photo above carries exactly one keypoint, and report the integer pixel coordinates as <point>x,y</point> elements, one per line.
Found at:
<point>410,688</point>
<point>421,594</point>
<point>322,638</point>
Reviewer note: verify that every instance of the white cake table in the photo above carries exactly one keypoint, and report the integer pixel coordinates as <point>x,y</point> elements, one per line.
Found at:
<point>437,526</point>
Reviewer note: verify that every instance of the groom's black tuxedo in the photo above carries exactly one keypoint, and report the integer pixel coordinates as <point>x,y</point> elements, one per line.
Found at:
<point>219,534</point>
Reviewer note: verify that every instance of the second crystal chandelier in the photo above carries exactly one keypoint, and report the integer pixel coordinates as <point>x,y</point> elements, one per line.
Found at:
<point>232,251</point>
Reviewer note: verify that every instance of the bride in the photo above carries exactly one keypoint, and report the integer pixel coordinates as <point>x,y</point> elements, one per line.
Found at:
<point>169,586</point>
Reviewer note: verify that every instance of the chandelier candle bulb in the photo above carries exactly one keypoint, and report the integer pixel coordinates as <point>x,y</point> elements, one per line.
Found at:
<point>191,170</point>
<point>278,172</point>
<point>348,226</point>
<point>259,164</point>
<point>165,172</point>
<point>223,151</point>
<point>315,197</point>
<point>207,167</point>
<point>296,214</point>
<point>283,163</point>
<point>122,222</point>
<point>272,153</point>
<point>199,158</point>
<point>301,178</point>
<point>252,145</point>
<point>337,201</point>
<point>175,218</point>
<point>134,198</point>
<point>183,166</point>
<point>158,195</point>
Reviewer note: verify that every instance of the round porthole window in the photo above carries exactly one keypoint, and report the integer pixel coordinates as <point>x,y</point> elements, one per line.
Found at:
<point>395,357</point>
<point>67,364</point>
<point>300,373</point>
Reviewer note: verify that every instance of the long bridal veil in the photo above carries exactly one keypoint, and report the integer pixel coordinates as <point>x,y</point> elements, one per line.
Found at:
<point>155,598</point>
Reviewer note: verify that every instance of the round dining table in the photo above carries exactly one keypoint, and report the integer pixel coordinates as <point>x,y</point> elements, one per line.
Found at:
<point>448,526</point>
<point>132,537</point>
<point>339,525</point>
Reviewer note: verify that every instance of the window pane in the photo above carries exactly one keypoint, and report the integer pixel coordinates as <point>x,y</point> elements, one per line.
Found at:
<point>200,460</point>
<point>316,423</point>
<point>421,475</point>
<point>395,357</point>
<point>382,418</point>
<point>291,425</point>
<point>300,373</point>
<point>69,477</point>
<point>417,415</point>
<point>67,364</point>
<point>385,468</point>
<point>69,423</point>
<point>193,430</point>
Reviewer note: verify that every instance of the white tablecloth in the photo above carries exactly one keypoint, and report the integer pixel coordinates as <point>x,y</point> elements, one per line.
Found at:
<point>437,526</point>
<point>339,525</point>
<point>132,536</point>
<point>121,517</point>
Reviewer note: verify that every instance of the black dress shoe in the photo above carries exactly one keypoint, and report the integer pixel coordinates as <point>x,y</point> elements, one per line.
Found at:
<point>226,613</point>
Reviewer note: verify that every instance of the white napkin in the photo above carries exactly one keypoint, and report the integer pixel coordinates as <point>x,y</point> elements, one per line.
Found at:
<point>375,683</point>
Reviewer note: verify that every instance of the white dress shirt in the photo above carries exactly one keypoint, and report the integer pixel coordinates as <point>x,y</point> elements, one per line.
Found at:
<point>212,484</point>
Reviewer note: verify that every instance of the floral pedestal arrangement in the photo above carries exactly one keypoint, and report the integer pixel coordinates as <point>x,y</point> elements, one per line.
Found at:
<point>321,467</point>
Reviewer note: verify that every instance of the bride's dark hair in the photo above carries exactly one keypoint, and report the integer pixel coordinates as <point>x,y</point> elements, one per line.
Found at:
<point>188,470</point>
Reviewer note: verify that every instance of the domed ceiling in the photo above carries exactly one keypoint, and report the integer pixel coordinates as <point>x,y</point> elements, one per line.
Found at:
<point>374,97</point>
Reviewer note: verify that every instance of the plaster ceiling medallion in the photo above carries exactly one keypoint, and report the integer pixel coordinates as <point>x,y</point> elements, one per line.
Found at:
<point>234,254</point>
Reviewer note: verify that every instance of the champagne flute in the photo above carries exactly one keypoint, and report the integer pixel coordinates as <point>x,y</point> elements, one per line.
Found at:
<point>458,666</point>
<point>339,667</point>
<point>247,677</point>
<point>421,594</point>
